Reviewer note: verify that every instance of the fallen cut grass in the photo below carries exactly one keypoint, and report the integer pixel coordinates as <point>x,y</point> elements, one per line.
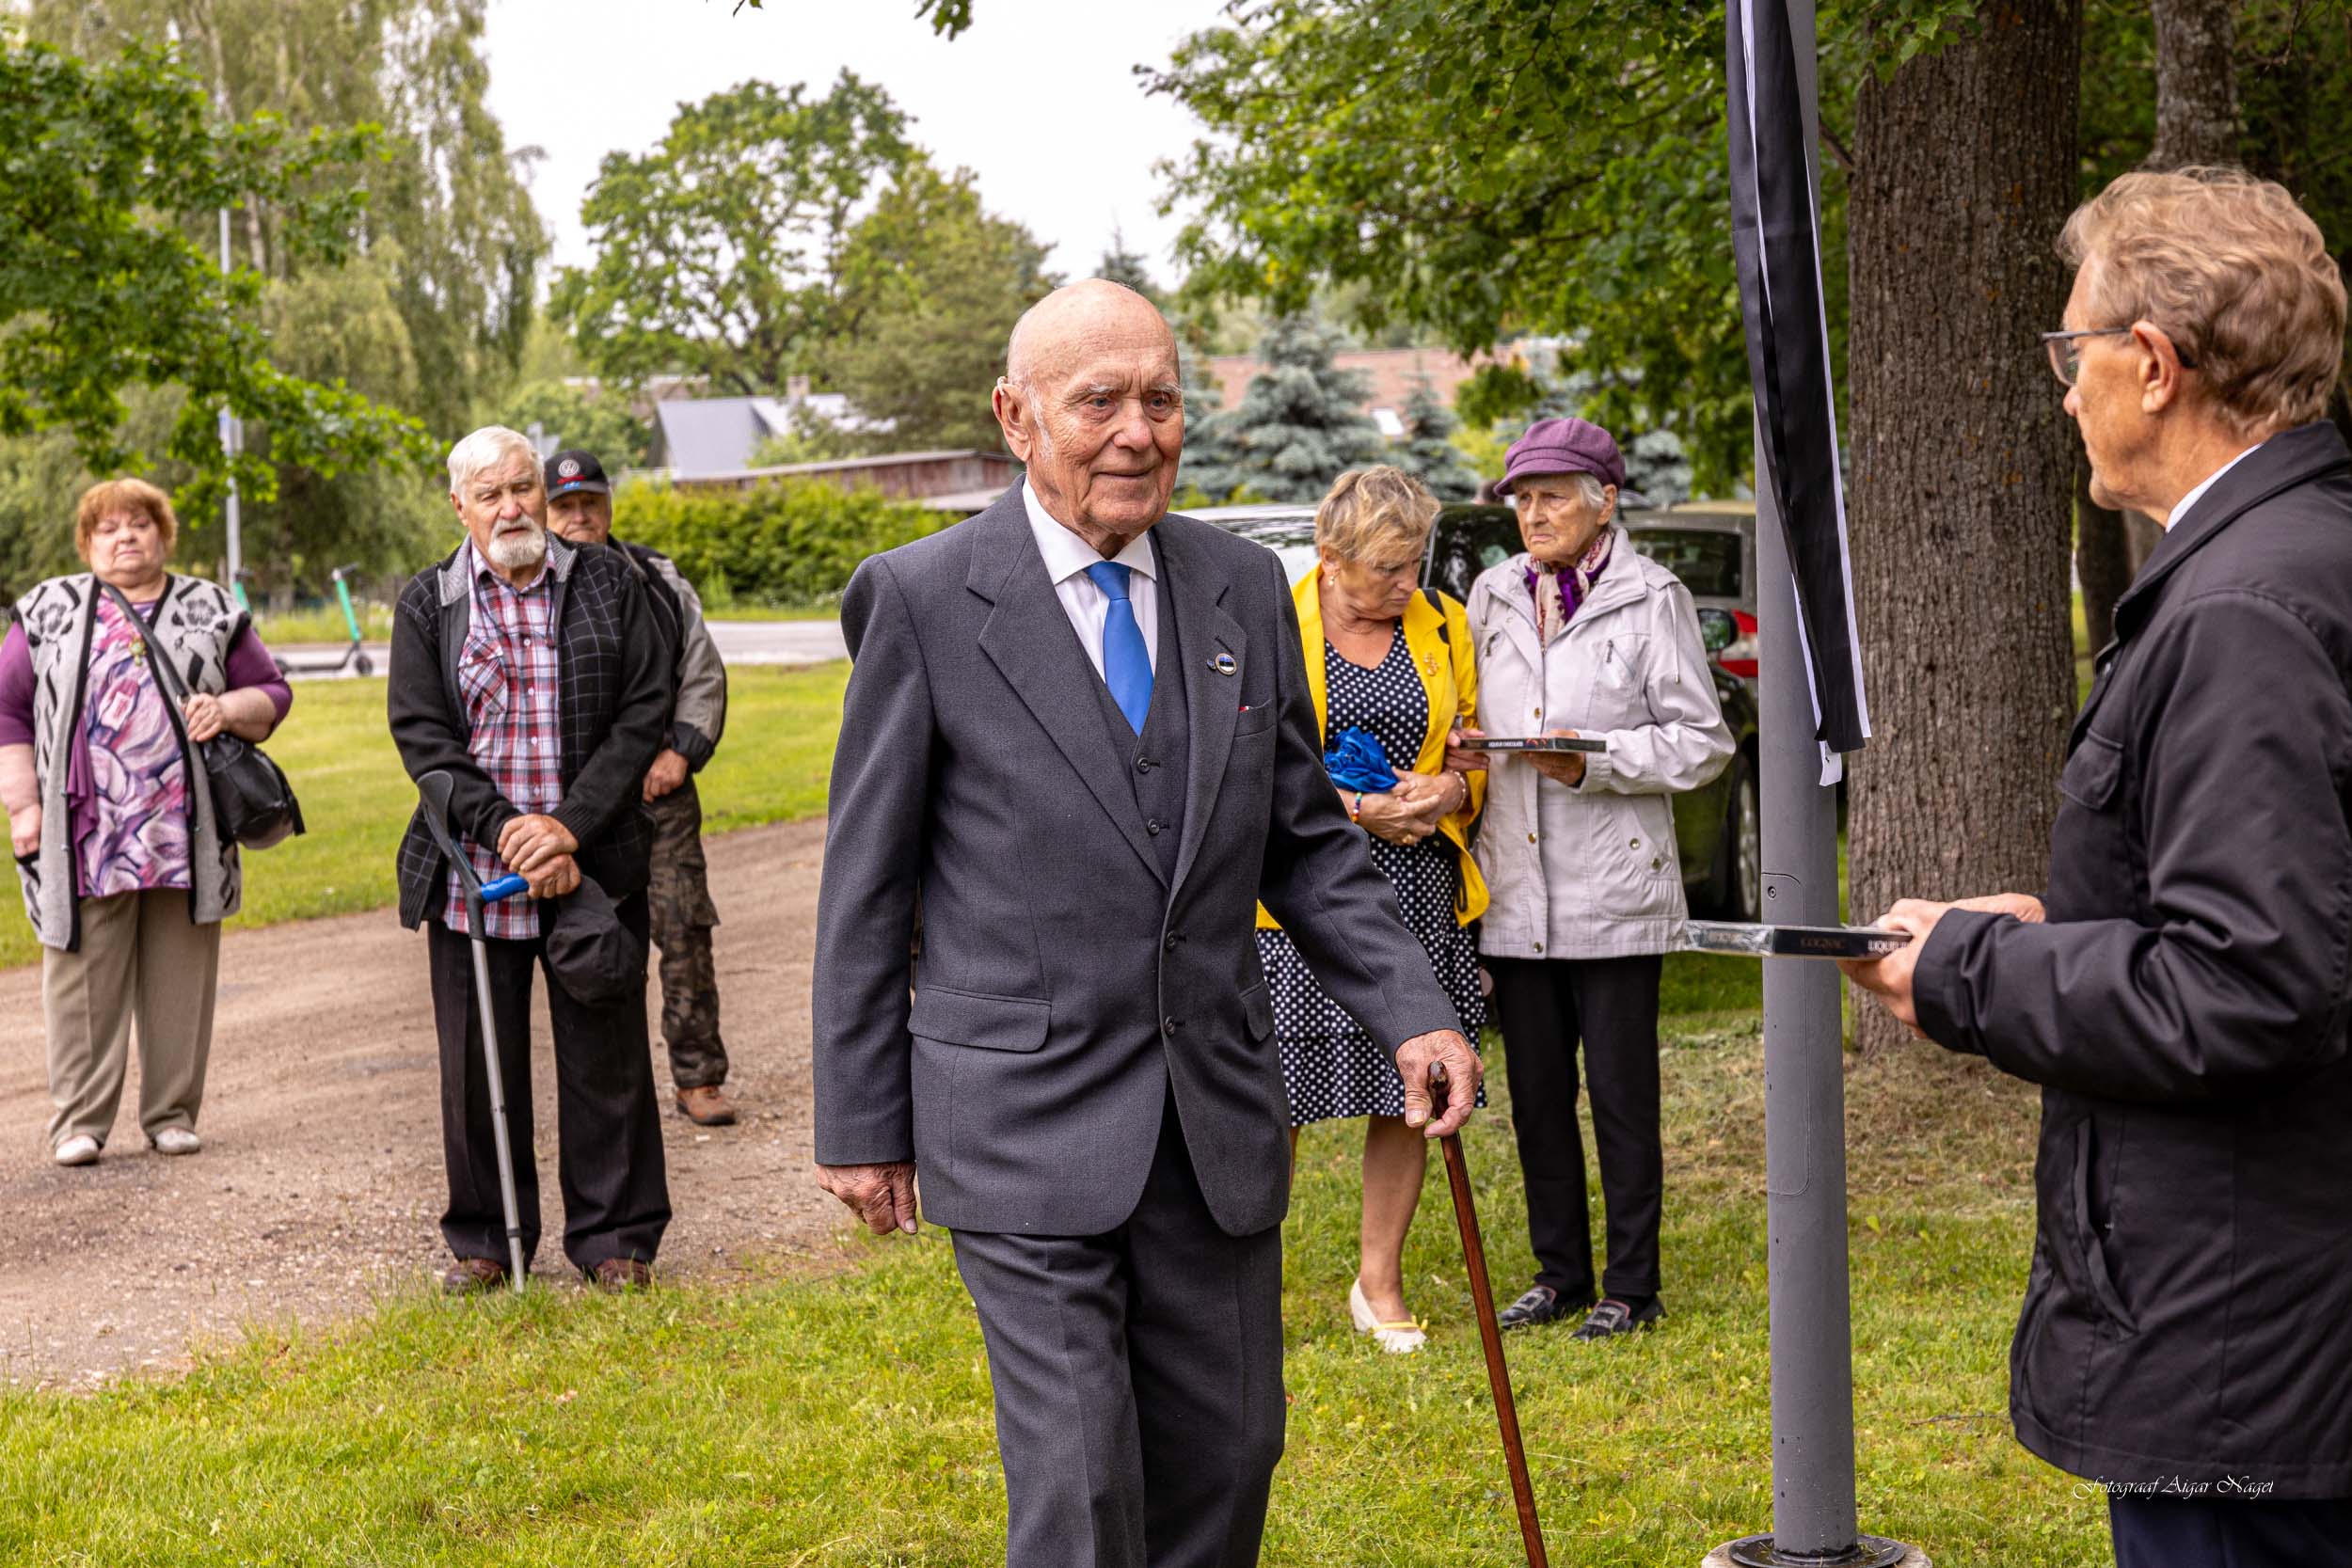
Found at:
<point>355,799</point>
<point>846,1420</point>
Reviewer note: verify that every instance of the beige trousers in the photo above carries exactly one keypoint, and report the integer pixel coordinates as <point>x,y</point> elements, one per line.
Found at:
<point>141,958</point>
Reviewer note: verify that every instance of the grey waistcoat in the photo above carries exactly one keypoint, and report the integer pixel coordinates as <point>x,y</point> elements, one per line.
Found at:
<point>194,627</point>
<point>1156,761</point>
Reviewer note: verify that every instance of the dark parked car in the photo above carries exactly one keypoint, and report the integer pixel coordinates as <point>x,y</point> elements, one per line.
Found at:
<point>1707,545</point>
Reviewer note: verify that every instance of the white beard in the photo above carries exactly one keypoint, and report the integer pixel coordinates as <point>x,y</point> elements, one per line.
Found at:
<point>514,551</point>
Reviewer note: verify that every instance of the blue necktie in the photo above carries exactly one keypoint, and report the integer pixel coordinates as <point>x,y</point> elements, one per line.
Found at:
<point>1126,667</point>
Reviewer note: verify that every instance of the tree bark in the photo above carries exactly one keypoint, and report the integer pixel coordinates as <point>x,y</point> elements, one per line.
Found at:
<point>2195,123</point>
<point>1963,466</point>
<point>2196,82</point>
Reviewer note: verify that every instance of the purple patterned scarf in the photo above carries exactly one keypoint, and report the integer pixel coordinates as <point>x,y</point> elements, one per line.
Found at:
<point>1559,594</point>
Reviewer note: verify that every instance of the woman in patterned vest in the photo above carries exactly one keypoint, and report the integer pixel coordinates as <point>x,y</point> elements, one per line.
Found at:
<point>126,876</point>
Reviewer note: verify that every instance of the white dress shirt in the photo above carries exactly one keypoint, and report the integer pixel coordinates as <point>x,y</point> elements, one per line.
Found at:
<point>1066,558</point>
<point>2196,495</point>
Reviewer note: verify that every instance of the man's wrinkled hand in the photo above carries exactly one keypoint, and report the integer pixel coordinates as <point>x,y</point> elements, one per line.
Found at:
<point>882,1196</point>
<point>2017,906</point>
<point>555,878</point>
<point>1889,979</point>
<point>668,772</point>
<point>1463,1072</point>
<point>527,843</point>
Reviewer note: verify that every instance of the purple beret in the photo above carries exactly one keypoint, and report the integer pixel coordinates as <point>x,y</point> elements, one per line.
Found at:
<point>1563,446</point>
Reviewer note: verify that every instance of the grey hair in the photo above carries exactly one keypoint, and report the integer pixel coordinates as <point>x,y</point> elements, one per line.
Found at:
<point>1591,490</point>
<point>490,447</point>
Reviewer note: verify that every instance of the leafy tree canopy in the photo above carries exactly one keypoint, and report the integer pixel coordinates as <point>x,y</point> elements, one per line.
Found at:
<point>446,222</point>
<point>928,287</point>
<point>717,251</point>
<point>100,293</point>
<point>1487,168</point>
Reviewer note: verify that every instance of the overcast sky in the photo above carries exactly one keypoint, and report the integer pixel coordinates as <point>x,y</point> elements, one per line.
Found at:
<point>1038,98</point>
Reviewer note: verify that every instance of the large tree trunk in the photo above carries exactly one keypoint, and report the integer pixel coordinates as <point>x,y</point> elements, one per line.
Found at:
<point>1963,466</point>
<point>2195,123</point>
<point>2196,82</point>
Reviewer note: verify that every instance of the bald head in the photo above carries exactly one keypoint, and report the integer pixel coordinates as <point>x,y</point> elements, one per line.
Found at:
<point>1090,402</point>
<point>1090,314</point>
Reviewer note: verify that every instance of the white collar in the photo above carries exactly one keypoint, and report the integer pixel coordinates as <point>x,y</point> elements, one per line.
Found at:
<point>2196,495</point>
<point>1067,555</point>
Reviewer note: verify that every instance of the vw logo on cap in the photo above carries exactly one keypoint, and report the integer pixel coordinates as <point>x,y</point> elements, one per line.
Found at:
<point>568,469</point>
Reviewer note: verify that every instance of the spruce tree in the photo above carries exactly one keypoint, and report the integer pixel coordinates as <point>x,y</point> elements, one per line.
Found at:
<point>1301,424</point>
<point>1208,476</point>
<point>1426,453</point>
<point>1122,265</point>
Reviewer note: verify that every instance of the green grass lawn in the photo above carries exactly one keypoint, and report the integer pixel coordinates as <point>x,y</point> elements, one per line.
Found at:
<point>840,1415</point>
<point>845,1420</point>
<point>355,799</point>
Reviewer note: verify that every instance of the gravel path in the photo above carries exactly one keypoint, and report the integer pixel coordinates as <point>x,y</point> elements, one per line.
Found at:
<point>320,1182</point>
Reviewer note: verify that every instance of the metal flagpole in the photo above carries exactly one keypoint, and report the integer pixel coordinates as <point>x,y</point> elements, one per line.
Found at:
<point>230,439</point>
<point>1805,1148</point>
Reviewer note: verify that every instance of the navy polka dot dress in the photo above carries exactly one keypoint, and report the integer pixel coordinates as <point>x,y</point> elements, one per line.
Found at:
<point>1330,1065</point>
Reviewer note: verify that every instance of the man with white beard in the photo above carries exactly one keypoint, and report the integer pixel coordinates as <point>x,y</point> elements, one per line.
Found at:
<point>531,673</point>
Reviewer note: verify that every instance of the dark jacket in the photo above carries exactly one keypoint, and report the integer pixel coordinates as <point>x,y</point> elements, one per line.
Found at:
<point>1073,980</point>
<point>2189,1312</point>
<point>614,687</point>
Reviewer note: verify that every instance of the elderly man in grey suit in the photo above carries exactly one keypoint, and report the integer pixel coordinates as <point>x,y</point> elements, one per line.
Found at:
<point>1078,734</point>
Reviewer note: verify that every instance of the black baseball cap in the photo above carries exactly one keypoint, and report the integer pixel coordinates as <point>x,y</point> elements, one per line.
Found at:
<point>574,471</point>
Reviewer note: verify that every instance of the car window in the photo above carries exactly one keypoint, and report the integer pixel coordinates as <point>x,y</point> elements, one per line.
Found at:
<point>1466,542</point>
<point>1706,560</point>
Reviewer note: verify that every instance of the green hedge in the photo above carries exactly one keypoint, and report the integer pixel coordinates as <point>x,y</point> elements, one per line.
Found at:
<point>790,544</point>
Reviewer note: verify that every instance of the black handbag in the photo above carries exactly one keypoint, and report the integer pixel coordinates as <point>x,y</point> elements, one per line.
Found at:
<point>253,804</point>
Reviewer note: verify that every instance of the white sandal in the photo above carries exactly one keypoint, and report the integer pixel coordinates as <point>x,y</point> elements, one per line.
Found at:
<point>1397,1338</point>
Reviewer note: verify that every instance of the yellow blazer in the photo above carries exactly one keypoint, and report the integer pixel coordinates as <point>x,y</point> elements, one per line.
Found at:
<point>1439,638</point>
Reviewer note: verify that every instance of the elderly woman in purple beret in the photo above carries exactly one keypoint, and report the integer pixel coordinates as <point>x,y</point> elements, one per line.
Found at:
<point>1581,635</point>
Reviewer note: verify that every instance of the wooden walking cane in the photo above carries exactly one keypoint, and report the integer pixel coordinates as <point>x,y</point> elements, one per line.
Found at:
<point>1489,1332</point>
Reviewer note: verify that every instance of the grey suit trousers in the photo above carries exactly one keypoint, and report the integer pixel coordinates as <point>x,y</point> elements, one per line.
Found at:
<point>1138,1378</point>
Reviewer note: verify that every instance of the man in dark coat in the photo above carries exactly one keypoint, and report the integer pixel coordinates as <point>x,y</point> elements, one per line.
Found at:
<point>1078,731</point>
<point>579,510</point>
<point>2187,1337</point>
<point>526,670</point>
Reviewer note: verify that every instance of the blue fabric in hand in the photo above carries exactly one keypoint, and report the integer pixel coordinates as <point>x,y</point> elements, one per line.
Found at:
<point>1357,760</point>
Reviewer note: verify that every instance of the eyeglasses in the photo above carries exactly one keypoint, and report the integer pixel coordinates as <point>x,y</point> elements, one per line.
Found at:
<point>2066,355</point>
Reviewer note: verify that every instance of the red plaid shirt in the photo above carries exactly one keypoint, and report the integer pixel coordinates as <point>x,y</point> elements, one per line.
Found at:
<point>508,678</point>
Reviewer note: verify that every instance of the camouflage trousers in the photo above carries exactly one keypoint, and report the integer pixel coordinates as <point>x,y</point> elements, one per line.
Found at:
<point>682,918</point>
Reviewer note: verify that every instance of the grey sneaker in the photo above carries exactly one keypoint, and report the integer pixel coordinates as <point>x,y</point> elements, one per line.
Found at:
<point>176,1140</point>
<point>79,1149</point>
<point>1614,1317</point>
<point>1540,1305</point>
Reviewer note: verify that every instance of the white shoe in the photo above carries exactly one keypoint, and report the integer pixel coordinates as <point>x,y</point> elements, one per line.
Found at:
<point>1398,1338</point>
<point>79,1149</point>
<point>176,1140</point>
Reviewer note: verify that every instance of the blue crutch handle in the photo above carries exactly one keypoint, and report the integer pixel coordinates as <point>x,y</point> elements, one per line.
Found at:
<point>505,887</point>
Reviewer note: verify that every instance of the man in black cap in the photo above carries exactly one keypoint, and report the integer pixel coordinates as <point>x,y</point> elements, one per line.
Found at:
<point>579,510</point>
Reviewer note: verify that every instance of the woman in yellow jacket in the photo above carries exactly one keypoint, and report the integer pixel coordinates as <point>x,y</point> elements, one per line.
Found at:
<point>1388,657</point>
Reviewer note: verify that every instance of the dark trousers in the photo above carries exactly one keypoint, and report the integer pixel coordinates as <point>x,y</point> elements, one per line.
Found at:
<point>683,915</point>
<point>2160,1531</point>
<point>616,1192</point>
<point>1139,1380</point>
<point>1546,1009</point>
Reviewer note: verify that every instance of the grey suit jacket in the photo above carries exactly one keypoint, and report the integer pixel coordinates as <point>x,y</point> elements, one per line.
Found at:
<point>1065,984</point>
